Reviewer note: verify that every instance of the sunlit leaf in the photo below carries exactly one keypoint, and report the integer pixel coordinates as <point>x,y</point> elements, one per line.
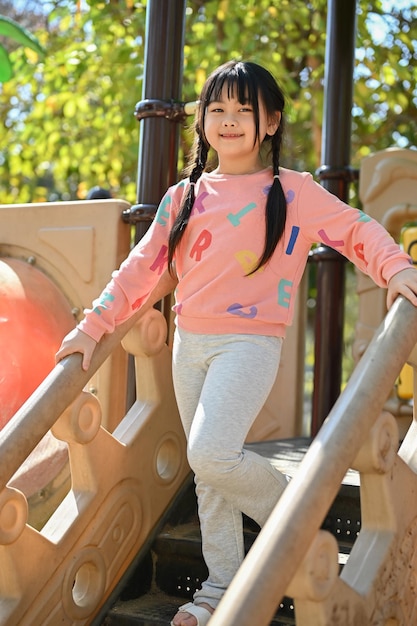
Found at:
<point>9,28</point>
<point>6,71</point>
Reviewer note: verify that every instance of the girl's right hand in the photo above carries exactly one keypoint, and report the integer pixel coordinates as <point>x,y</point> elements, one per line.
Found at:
<point>77,341</point>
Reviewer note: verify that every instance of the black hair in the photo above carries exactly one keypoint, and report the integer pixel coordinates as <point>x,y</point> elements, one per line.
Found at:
<point>250,82</point>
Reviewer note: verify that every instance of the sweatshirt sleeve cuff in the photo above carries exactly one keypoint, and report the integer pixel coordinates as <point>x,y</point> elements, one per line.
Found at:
<point>396,267</point>
<point>90,330</point>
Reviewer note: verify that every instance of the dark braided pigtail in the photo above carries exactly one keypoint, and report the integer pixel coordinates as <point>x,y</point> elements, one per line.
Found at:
<point>276,203</point>
<point>184,212</point>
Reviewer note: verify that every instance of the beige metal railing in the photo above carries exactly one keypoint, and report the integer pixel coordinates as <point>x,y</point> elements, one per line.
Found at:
<point>292,556</point>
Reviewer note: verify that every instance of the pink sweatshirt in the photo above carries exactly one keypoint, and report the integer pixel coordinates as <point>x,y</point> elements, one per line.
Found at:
<point>223,240</point>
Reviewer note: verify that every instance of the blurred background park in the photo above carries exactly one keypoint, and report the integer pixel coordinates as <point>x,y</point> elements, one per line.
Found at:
<point>67,120</point>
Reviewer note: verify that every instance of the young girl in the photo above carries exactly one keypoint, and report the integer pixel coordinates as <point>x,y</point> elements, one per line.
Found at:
<point>238,237</point>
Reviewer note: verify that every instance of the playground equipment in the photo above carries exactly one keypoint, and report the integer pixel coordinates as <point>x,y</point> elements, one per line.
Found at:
<point>121,545</point>
<point>48,272</point>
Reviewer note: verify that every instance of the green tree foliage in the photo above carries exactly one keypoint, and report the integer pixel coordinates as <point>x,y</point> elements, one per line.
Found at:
<point>68,123</point>
<point>385,111</point>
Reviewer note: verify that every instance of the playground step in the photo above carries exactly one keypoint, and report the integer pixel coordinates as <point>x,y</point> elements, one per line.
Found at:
<point>157,609</point>
<point>344,517</point>
<point>173,567</point>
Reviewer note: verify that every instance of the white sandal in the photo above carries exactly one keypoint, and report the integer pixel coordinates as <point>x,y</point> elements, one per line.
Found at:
<point>199,612</point>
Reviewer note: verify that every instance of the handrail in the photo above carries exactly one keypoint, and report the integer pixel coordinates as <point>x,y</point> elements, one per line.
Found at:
<point>273,560</point>
<point>58,390</point>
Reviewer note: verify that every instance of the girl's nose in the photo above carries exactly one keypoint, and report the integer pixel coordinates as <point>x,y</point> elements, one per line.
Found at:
<point>229,121</point>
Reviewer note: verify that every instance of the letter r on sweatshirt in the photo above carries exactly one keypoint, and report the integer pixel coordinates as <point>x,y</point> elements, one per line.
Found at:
<point>203,242</point>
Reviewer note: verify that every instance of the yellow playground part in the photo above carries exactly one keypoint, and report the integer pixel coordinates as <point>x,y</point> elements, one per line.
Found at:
<point>405,379</point>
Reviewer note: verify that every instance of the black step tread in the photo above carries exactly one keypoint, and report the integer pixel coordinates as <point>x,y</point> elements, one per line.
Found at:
<point>157,609</point>
<point>287,454</point>
<point>187,537</point>
<point>153,609</point>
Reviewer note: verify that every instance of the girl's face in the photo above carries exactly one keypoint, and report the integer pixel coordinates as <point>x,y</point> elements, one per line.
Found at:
<point>229,127</point>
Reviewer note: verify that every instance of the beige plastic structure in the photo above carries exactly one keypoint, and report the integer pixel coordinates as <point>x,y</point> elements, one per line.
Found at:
<point>388,184</point>
<point>76,245</point>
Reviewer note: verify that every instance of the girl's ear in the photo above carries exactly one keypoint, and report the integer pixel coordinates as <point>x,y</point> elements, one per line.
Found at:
<point>274,123</point>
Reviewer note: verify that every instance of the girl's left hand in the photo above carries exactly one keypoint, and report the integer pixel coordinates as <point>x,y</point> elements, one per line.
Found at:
<point>405,284</point>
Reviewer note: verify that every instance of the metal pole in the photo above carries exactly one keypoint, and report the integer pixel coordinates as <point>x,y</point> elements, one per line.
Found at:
<point>158,141</point>
<point>159,136</point>
<point>335,175</point>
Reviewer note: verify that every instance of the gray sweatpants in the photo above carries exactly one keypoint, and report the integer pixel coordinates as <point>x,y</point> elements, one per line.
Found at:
<point>221,383</point>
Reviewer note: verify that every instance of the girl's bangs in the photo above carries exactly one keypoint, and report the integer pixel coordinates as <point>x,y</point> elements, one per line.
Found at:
<point>238,84</point>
